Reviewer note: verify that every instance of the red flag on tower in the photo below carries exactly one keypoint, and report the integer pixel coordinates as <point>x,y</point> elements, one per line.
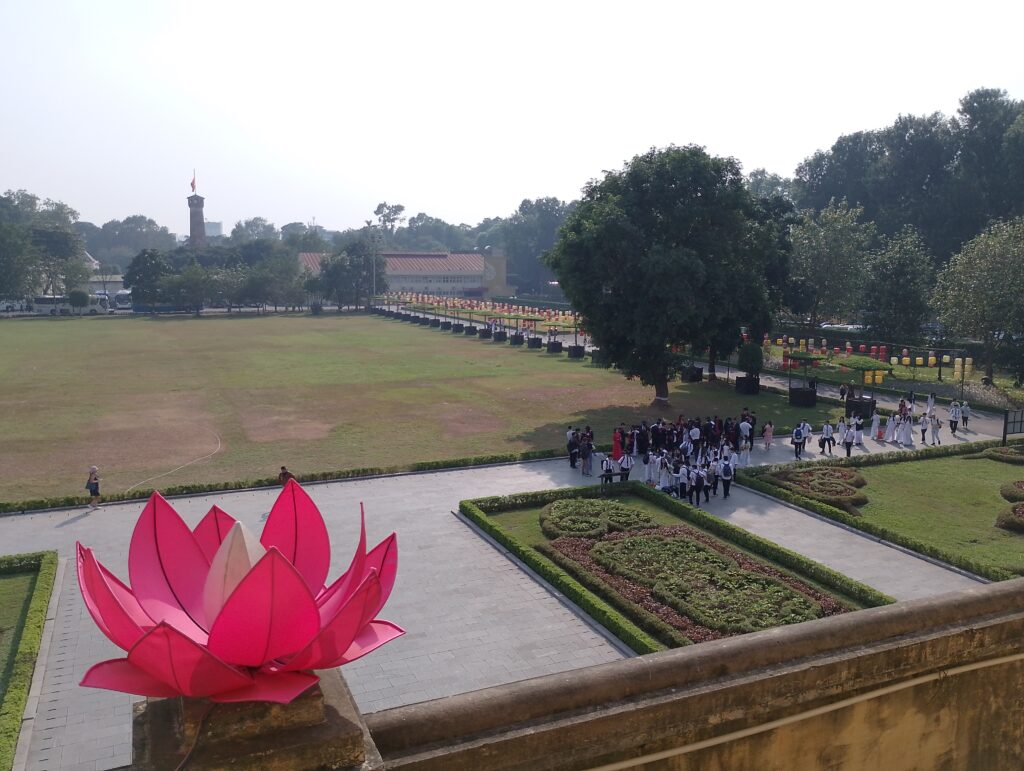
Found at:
<point>193,180</point>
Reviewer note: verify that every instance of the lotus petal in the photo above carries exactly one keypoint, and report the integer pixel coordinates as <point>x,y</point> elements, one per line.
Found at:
<point>297,530</point>
<point>337,594</point>
<point>212,530</point>
<point>237,555</point>
<point>122,675</point>
<point>374,635</point>
<point>384,559</point>
<point>271,614</point>
<point>281,687</point>
<point>110,603</point>
<point>167,569</point>
<point>337,635</point>
<point>183,664</point>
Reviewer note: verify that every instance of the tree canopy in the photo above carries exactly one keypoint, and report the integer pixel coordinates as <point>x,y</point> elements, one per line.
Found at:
<point>899,280</point>
<point>670,251</point>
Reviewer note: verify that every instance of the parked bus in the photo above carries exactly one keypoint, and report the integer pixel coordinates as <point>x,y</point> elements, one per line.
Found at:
<point>58,305</point>
<point>123,300</point>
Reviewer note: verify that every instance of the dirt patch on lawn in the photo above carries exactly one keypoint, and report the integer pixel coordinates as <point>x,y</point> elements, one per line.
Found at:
<point>285,425</point>
<point>459,420</point>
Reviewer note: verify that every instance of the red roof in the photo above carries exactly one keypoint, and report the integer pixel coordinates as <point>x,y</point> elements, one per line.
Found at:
<point>311,261</point>
<point>399,263</point>
<point>404,263</point>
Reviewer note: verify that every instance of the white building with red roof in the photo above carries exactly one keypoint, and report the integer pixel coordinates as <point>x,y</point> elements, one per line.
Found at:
<point>452,274</point>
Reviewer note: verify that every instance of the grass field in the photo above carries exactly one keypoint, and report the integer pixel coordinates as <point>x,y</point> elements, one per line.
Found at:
<point>15,593</point>
<point>140,397</point>
<point>949,503</point>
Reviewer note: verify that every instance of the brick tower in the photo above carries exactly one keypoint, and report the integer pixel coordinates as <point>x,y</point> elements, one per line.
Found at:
<point>196,221</point>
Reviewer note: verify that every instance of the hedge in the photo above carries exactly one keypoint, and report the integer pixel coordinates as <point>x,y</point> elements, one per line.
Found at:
<point>798,563</point>
<point>20,507</point>
<point>12,708</point>
<point>760,479</point>
<point>636,638</point>
<point>626,617</point>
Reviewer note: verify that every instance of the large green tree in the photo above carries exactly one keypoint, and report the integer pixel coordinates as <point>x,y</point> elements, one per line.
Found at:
<point>253,229</point>
<point>898,287</point>
<point>144,276</point>
<point>830,250</point>
<point>528,234</point>
<point>650,253</point>
<point>19,263</point>
<point>979,293</point>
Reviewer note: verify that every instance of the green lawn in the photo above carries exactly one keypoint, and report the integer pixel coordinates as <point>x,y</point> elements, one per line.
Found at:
<point>948,503</point>
<point>15,593</point>
<point>140,397</point>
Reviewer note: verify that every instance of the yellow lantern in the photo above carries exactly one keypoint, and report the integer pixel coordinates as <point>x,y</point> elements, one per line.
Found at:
<point>945,358</point>
<point>879,375</point>
<point>919,361</point>
<point>778,341</point>
<point>958,362</point>
<point>906,361</point>
<point>867,377</point>
<point>932,361</point>
<point>894,360</point>
<point>792,341</point>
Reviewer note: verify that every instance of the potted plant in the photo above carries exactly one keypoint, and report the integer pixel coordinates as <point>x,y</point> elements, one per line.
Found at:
<point>750,359</point>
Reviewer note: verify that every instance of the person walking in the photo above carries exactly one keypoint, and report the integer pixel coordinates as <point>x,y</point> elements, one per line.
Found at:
<point>725,470</point>
<point>890,428</point>
<point>625,466</point>
<point>828,440</point>
<point>798,442</point>
<point>848,440</point>
<point>768,433</point>
<point>284,476</point>
<point>935,424</point>
<point>965,413</point>
<point>876,425</point>
<point>92,484</point>
<point>587,456</point>
<point>858,430</point>
<point>954,416</point>
<point>923,425</point>
<point>574,448</point>
<point>841,429</point>
<point>711,467</point>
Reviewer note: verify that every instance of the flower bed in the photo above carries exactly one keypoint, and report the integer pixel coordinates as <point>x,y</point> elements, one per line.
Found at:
<point>1012,519</point>
<point>589,518</point>
<point>829,484</point>
<point>664,574</point>
<point>1013,491</point>
<point>1010,454</point>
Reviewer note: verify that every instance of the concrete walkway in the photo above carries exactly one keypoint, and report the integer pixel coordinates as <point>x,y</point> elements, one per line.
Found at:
<point>474,618</point>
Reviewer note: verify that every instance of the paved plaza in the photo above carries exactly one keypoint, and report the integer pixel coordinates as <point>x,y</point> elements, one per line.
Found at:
<point>474,618</point>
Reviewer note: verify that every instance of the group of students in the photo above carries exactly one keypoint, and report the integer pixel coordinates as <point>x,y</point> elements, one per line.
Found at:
<point>899,427</point>
<point>689,458</point>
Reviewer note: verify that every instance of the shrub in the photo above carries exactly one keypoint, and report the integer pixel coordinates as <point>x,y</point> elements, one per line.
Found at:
<point>589,518</point>
<point>12,706</point>
<point>1012,518</point>
<point>832,485</point>
<point>706,586</point>
<point>1013,491</point>
<point>750,359</point>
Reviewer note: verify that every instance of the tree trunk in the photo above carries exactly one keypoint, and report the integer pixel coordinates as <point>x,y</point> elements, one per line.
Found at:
<point>661,393</point>
<point>712,356</point>
<point>990,354</point>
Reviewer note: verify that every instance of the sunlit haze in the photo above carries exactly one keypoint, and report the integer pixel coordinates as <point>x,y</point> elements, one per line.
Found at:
<point>301,110</point>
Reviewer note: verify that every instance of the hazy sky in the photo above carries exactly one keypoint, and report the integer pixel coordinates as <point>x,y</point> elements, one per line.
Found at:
<point>298,110</point>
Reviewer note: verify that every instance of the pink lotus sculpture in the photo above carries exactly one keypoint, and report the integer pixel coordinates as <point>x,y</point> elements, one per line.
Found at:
<point>213,612</point>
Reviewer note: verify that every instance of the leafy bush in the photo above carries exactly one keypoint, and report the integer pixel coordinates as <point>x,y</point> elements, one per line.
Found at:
<point>589,518</point>
<point>1012,518</point>
<point>12,706</point>
<point>832,485</point>
<point>1010,454</point>
<point>587,598</point>
<point>706,586</point>
<point>750,359</point>
<point>1013,491</point>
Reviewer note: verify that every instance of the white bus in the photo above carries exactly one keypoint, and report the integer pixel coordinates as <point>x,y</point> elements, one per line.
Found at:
<point>58,305</point>
<point>123,300</point>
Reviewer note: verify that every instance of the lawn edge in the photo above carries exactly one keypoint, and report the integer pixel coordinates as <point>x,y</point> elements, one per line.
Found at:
<point>752,478</point>
<point>12,707</point>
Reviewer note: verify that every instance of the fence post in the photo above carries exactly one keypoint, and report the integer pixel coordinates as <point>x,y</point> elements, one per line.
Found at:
<point>1006,421</point>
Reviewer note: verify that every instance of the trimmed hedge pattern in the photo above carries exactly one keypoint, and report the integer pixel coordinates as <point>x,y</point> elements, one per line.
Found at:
<point>589,518</point>
<point>835,486</point>
<point>12,708</point>
<point>1012,518</point>
<point>1013,491</point>
<point>590,602</point>
<point>639,629</point>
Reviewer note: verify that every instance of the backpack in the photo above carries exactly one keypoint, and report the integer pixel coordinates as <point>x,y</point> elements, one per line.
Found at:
<point>726,471</point>
<point>798,435</point>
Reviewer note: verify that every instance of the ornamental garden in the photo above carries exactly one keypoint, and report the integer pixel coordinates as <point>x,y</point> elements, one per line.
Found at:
<point>659,573</point>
